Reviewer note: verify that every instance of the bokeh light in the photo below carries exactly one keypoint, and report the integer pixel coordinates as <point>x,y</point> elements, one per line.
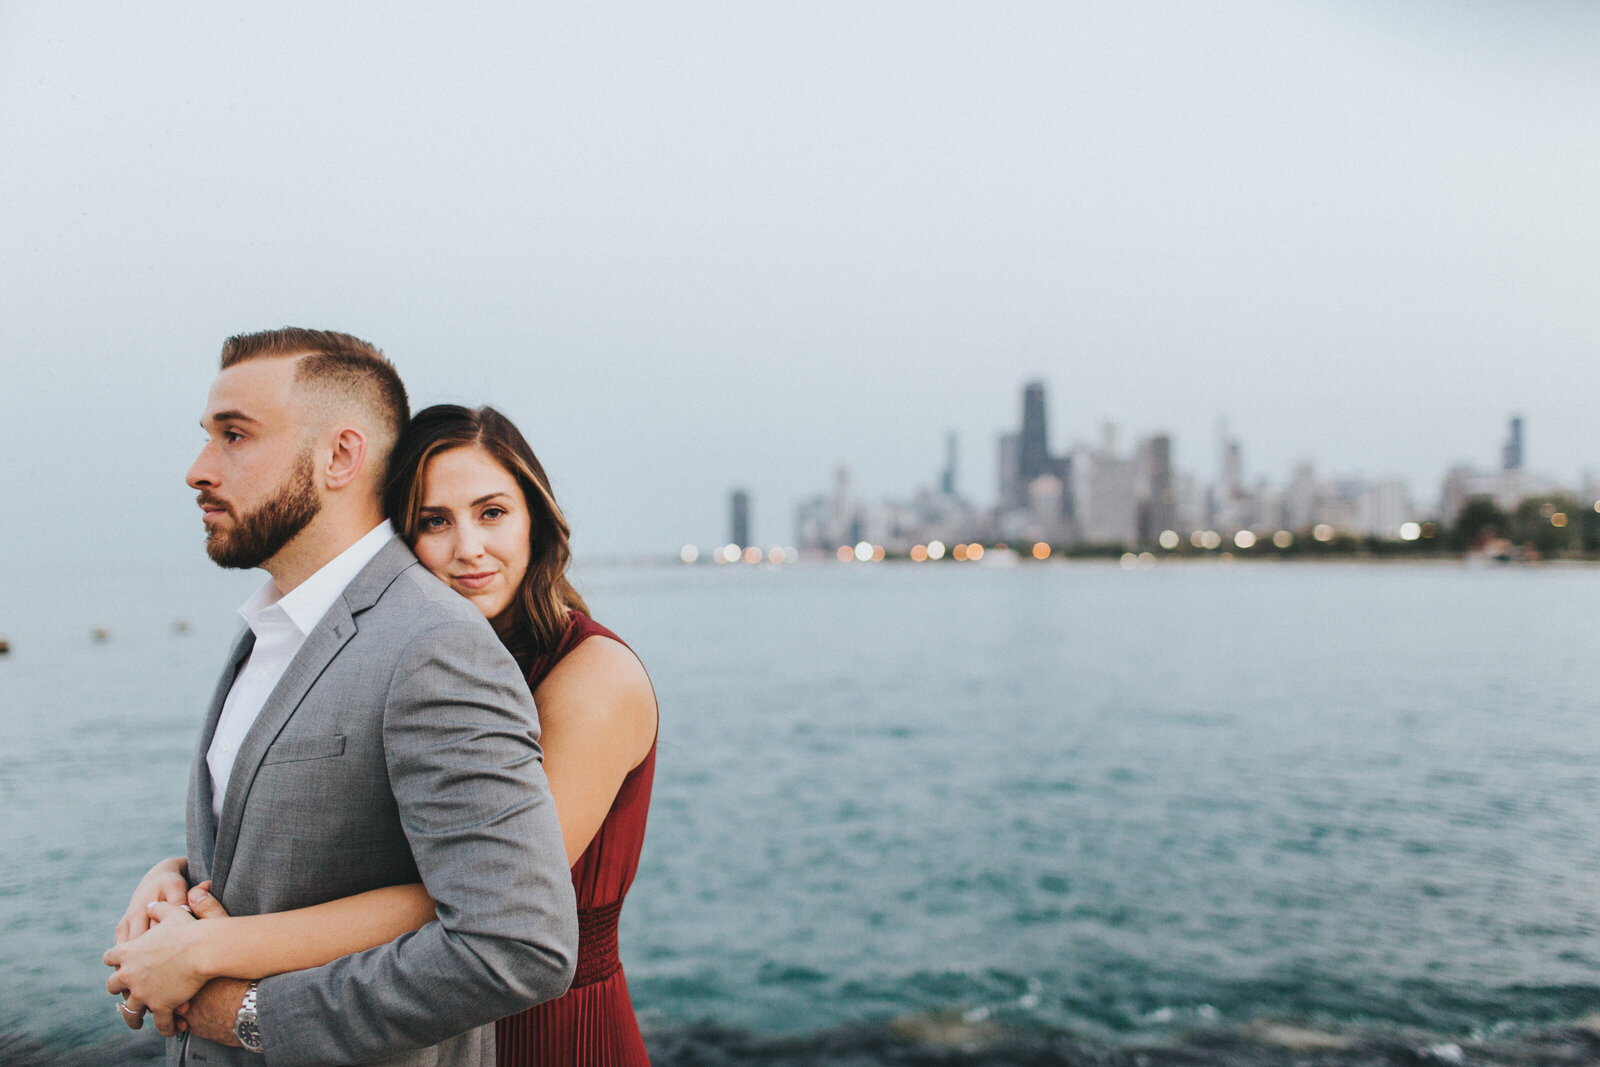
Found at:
<point>1244,539</point>
<point>974,551</point>
<point>1322,532</point>
<point>959,552</point>
<point>936,550</point>
<point>1283,538</point>
<point>919,553</point>
<point>863,550</point>
<point>1129,561</point>
<point>1041,551</point>
<point>1169,539</point>
<point>752,554</point>
<point>1410,531</point>
<point>845,554</point>
<point>688,553</point>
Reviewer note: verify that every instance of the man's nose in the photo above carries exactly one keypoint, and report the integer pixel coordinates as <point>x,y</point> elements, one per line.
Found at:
<point>201,475</point>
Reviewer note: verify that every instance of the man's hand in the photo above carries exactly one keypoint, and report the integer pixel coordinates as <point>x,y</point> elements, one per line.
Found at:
<point>213,1011</point>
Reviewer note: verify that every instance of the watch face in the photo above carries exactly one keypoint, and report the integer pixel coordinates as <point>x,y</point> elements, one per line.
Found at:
<point>248,1032</point>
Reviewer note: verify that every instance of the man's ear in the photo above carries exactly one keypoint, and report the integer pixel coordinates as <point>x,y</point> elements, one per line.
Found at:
<point>347,460</point>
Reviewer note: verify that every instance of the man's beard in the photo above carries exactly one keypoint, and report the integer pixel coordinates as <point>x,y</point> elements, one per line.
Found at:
<point>261,534</point>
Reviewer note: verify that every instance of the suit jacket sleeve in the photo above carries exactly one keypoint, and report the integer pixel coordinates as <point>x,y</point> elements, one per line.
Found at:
<point>466,771</point>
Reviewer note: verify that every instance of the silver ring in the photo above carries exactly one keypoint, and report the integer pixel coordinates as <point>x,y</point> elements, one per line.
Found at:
<point>124,1009</point>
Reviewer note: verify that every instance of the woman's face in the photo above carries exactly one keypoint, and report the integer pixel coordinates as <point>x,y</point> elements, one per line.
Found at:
<point>473,528</point>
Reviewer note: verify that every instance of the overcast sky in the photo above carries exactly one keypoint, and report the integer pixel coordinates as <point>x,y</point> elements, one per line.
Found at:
<point>694,246</point>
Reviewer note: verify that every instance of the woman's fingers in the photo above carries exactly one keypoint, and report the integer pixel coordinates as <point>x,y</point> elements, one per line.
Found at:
<point>160,911</point>
<point>132,1011</point>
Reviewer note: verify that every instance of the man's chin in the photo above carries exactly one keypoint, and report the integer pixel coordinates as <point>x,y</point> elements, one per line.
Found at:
<point>226,554</point>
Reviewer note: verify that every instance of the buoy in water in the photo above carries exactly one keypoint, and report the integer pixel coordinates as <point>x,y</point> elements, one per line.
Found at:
<point>100,634</point>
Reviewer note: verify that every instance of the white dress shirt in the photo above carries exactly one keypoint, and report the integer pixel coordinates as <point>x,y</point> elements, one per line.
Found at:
<point>281,623</point>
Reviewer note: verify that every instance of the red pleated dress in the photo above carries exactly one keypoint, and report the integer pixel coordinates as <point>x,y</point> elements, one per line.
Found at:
<point>593,1024</point>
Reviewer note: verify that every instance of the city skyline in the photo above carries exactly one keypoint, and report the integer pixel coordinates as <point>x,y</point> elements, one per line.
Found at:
<point>1097,494</point>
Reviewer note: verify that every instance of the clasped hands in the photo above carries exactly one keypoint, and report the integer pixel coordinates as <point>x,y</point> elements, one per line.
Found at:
<point>155,959</point>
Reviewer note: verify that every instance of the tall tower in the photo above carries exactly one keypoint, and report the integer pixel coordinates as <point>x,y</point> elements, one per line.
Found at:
<point>739,518</point>
<point>1511,454</point>
<point>947,480</point>
<point>1033,450</point>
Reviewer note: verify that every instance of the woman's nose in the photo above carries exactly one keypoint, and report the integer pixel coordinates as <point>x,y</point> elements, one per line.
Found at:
<point>468,544</point>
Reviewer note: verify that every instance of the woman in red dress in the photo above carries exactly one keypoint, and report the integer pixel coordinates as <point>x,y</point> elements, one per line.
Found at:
<point>469,496</point>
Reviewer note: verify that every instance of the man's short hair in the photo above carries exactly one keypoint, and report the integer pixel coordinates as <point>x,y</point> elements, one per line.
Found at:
<point>340,368</point>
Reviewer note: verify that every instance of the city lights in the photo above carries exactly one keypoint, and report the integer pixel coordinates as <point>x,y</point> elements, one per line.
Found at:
<point>1283,539</point>
<point>974,551</point>
<point>864,551</point>
<point>845,554</point>
<point>1041,551</point>
<point>1410,531</point>
<point>689,554</point>
<point>1322,532</point>
<point>919,553</point>
<point>936,550</point>
<point>1169,539</point>
<point>959,553</point>
<point>1244,539</point>
<point>752,554</point>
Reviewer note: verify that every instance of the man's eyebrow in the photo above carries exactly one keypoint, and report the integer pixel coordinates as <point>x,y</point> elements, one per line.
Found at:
<point>231,415</point>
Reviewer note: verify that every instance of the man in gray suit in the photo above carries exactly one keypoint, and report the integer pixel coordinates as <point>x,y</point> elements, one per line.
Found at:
<point>368,730</point>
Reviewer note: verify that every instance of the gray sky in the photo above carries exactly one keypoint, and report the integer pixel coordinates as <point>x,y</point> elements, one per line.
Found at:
<point>690,246</point>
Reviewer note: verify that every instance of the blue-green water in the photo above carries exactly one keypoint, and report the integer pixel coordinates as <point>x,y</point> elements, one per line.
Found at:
<point>1050,799</point>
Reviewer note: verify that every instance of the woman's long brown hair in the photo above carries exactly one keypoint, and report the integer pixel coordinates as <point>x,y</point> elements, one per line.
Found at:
<point>546,596</point>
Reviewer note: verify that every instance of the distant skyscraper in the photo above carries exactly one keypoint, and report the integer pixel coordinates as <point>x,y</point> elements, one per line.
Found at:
<point>947,481</point>
<point>1158,507</point>
<point>1511,454</point>
<point>1013,490</point>
<point>739,518</point>
<point>1033,450</point>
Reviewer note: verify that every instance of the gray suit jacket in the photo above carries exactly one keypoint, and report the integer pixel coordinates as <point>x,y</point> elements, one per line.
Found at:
<point>401,745</point>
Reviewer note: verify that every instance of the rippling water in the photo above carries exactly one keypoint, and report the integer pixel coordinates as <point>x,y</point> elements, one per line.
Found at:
<point>969,807</point>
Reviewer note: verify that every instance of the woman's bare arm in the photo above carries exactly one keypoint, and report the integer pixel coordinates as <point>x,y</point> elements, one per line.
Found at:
<point>167,965</point>
<point>597,721</point>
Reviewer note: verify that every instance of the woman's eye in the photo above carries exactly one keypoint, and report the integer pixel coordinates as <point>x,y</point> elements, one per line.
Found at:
<point>493,513</point>
<point>431,523</point>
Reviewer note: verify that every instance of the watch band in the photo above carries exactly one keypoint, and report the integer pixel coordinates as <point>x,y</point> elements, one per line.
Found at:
<point>246,1027</point>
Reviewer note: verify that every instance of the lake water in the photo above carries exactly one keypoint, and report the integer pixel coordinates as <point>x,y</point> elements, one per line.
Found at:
<point>992,814</point>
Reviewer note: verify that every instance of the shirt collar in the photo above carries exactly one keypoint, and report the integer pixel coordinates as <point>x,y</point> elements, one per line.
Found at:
<point>308,602</point>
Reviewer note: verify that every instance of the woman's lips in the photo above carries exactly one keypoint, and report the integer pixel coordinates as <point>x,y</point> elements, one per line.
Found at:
<point>474,581</point>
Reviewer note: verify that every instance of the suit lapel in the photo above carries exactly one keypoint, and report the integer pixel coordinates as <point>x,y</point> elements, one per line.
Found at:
<point>322,645</point>
<point>201,824</point>
<point>324,642</point>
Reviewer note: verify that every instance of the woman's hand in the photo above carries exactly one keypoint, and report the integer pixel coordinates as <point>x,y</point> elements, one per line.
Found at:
<point>168,881</point>
<point>165,966</point>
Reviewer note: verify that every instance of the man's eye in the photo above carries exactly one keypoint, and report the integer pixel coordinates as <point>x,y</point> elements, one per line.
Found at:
<point>232,436</point>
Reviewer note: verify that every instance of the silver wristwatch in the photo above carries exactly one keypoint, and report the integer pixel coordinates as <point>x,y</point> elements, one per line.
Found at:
<point>245,1027</point>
